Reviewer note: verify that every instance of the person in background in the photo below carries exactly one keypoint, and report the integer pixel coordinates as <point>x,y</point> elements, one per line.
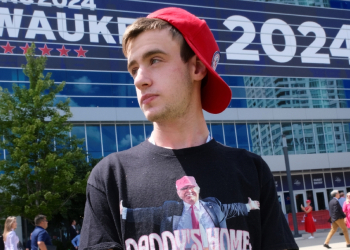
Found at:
<point>29,243</point>
<point>341,202</point>
<point>73,229</point>
<point>10,237</point>
<point>346,210</point>
<point>342,198</point>
<point>2,245</point>
<point>76,241</point>
<point>337,218</point>
<point>40,237</point>
<point>309,220</point>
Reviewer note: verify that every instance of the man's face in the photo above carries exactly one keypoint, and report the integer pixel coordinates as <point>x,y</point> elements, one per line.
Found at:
<point>44,223</point>
<point>74,223</point>
<point>189,194</point>
<point>163,81</point>
<point>337,195</point>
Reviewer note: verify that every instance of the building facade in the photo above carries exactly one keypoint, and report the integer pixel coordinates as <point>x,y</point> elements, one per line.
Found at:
<point>313,113</point>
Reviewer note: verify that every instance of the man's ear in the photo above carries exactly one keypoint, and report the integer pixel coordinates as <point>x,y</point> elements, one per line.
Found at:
<point>199,69</point>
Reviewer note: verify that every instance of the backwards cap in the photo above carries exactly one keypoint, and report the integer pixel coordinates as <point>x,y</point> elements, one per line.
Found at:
<point>216,94</point>
<point>186,181</point>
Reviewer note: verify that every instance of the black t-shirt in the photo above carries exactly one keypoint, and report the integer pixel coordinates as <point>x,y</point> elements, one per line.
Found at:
<point>144,178</point>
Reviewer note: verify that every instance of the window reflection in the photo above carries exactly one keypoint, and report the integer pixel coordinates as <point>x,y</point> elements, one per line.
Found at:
<point>299,141</point>
<point>242,136</point>
<point>138,134</point>
<point>79,132</point>
<point>93,135</point>
<point>109,139</point>
<point>148,130</point>
<point>217,132</point>
<point>230,135</point>
<point>288,132</point>
<point>123,135</point>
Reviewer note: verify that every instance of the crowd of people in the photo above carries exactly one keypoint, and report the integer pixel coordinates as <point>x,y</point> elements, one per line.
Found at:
<point>39,238</point>
<point>339,211</point>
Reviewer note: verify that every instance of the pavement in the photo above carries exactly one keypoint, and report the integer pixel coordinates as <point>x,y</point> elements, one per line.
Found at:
<point>337,241</point>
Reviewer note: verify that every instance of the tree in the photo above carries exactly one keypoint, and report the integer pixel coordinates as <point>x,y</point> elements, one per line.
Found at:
<point>38,174</point>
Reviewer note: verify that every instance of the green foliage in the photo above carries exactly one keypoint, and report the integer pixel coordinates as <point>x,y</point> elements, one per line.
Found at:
<point>38,175</point>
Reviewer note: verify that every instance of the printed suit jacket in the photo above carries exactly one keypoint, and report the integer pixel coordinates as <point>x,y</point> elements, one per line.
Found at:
<point>169,214</point>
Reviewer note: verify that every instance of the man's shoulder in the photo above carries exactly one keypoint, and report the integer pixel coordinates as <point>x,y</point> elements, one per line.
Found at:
<point>210,200</point>
<point>237,152</point>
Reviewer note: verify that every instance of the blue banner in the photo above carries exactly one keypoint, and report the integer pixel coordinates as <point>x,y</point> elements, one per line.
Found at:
<point>255,38</point>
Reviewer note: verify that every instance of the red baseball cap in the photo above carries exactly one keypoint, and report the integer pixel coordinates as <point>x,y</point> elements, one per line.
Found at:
<point>186,181</point>
<point>216,94</point>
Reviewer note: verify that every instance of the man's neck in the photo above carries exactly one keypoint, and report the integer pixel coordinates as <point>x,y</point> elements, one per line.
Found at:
<point>182,133</point>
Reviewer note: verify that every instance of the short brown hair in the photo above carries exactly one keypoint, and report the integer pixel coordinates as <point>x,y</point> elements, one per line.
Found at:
<point>142,24</point>
<point>38,219</point>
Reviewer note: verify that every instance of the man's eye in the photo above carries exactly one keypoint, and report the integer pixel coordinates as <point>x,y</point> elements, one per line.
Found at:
<point>153,61</point>
<point>134,71</point>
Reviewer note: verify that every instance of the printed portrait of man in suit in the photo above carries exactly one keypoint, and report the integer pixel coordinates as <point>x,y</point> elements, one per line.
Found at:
<point>192,213</point>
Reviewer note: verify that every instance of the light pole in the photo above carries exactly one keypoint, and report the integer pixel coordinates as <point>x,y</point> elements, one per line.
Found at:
<point>289,180</point>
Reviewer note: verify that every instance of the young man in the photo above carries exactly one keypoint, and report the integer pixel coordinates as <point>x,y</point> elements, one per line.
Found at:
<point>172,56</point>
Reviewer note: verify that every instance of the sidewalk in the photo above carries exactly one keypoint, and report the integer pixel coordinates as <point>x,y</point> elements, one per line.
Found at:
<point>337,241</point>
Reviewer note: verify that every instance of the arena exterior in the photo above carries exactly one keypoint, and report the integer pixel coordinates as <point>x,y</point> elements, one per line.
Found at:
<point>286,61</point>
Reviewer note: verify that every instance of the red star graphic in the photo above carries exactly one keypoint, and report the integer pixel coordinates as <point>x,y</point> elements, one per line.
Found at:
<point>25,49</point>
<point>8,48</point>
<point>45,50</point>
<point>63,51</point>
<point>81,52</point>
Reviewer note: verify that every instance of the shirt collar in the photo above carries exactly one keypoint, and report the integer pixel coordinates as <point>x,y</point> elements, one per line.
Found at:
<point>187,206</point>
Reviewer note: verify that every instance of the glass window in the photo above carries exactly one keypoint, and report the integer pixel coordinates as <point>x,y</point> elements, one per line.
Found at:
<point>254,138</point>
<point>230,135</point>
<point>148,129</point>
<point>328,129</point>
<point>242,136</point>
<point>265,135</point>
<point>287,131</point>
<point>109,139</point>
<point>276,138</point>
<point>8,74</point>
<point>79,132</point>
<point>339,137</point>
<point>347,135</point>
<point>88,77</point>
<point>320,141</point>
<point>309,138</point>
<point>298,138</point>
<point>123,135</point>
<point>93,135</point>
<point>217,132</point>
<point>208,125</point>
<point>138,134</point>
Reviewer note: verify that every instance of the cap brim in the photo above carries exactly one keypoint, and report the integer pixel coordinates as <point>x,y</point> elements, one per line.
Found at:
<point>216,94</point>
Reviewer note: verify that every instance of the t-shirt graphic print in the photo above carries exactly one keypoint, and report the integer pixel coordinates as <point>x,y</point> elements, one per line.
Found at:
<point>192,223</point>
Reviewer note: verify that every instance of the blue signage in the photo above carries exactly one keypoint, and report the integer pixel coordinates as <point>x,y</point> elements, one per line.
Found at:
<point>297,182</point>
<point>328,180</point>
<point>255,38</point>
<point>347,178</point>
<point>318,181</point>
<point>278,183</point>
<point>338,179</point>
<point>307,179</point>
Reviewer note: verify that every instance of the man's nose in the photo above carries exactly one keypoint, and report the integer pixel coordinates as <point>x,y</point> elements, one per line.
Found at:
<point>142,78</point>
